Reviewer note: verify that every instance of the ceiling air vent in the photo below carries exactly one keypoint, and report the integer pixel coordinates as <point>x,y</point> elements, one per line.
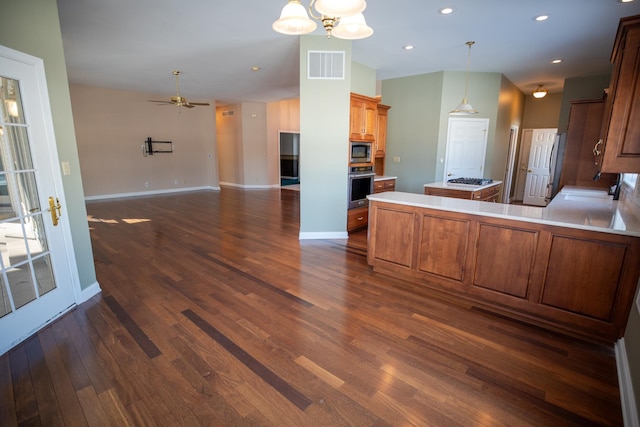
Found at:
<point>228,113</point>
<point>323,64</point>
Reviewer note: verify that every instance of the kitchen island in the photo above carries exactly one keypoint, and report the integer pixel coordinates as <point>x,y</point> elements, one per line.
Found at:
<point>572,267</point>
<point>485,191</point>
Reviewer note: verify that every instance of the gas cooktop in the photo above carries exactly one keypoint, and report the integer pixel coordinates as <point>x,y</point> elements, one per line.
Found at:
<point>470,181</point>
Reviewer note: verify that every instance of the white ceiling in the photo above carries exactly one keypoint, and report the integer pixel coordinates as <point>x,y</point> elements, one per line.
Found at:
<point>134,45</point>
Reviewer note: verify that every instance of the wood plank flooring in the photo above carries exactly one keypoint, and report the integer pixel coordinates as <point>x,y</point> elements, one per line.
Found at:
<point>213,313</point>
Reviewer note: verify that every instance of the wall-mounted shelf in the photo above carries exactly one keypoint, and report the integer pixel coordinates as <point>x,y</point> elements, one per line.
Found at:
<point>150,147</point>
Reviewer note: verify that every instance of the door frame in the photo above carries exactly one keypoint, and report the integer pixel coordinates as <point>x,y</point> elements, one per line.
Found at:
<point>46,145</point>
<point>511,163</point>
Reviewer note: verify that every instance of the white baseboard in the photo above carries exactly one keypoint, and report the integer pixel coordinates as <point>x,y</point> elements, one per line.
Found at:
<point>322,235</point>
<point>627,397</point>
<point>89,292</point>
<point>150,193</point>
<point>249,187</point>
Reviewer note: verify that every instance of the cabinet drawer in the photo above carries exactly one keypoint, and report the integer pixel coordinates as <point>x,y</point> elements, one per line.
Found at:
<point>489,193</point>
<point>357,218</point>
<point>384,185</point>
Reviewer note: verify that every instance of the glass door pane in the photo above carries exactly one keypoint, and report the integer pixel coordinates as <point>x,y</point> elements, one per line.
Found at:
<point>25,263</point>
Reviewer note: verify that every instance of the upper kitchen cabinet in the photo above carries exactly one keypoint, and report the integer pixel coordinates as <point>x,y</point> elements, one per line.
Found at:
<point>364,113</point>
<point>621,126</point>
<point>580,168</point>
<point>380,143</point>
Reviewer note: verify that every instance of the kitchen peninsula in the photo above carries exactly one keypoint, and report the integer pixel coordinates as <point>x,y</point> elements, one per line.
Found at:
<point>571,267</point>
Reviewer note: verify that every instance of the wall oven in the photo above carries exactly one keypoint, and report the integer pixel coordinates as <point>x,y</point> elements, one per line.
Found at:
<point>360,185</point>
<point>359,152</point>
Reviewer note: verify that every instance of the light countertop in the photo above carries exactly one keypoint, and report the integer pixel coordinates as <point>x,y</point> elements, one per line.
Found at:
<point>466,187</point>
<point>572,207</point>
<point>384,178</point>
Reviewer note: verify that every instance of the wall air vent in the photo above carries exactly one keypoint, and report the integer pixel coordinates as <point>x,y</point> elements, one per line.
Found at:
<point>324,64</point>
<point>228,113</point>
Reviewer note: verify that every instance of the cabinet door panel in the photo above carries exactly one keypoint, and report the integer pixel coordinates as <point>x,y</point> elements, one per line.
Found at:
<point>398,229</point>
<point>597,268</point>
<point>443,246</point>
<point>505,259</point>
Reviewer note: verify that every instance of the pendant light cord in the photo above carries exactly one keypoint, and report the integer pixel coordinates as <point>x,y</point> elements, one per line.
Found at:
<point>466,83</point>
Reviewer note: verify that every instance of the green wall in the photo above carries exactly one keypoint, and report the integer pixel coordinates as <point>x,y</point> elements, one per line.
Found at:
<point>418,123</point>
<point>412,129</point>
<point>32,27</point>
<point>324,137</point>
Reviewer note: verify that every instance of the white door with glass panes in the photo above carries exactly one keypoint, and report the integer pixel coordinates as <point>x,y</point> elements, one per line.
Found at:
<point>38,273</point>
<point>466,148</point>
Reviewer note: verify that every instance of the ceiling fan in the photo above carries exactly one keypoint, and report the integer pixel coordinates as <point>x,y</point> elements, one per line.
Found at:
<point>178,100</point>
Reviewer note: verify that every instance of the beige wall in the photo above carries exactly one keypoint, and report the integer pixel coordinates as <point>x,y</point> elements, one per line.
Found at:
<point>542,113</point>
<point>111,126</point>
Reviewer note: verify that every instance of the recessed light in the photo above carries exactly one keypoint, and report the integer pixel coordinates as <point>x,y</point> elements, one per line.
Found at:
<point>556,61</point>
<point>408,47</point>
<point>541,18</point>
<point>625,1</point>
<point>446,10</point>
<point>255,68</point>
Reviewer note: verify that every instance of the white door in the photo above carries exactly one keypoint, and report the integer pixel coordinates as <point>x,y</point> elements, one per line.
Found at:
<point>539,167</point>
<point>466,148</point>
<point>37,270</point>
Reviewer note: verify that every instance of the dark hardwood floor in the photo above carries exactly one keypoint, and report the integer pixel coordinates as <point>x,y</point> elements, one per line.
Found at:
<point>214,313</point>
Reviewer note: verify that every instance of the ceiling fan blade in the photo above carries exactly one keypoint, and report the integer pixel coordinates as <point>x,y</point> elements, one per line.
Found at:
<point>188,105</point>
<point>161,102</point>
<point>198,103</point>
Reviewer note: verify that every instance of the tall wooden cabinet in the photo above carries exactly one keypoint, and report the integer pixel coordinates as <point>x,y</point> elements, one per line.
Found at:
<point>621,132</point>
<point>583,134</point>
<point>380,144</point>
<point>363,118</point>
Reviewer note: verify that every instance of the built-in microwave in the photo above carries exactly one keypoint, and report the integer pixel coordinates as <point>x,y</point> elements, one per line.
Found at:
<point>359,152</point>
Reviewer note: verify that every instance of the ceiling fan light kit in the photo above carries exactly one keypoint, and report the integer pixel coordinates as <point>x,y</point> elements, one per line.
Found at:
<point>464,107</point>
<point>341,19</point>
<point>177,100</point>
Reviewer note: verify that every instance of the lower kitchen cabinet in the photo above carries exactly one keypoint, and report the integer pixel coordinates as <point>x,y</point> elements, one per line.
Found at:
<point>579,282</point>
<point>382,185</point>
<point>485,194</point>
<point>357,218</point>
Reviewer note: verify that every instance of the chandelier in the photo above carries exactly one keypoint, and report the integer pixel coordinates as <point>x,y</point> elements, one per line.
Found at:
<point>464,107</point>
<point>340,18</point>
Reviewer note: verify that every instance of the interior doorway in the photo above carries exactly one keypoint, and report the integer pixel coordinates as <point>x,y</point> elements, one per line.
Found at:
<point>533,165</point>
<point>289,158</point>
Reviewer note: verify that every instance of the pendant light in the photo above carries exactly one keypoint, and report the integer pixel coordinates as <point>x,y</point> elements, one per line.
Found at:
<point>464,107</point>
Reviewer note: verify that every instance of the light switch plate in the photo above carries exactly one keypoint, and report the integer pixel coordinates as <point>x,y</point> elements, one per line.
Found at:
<point>66,170</point>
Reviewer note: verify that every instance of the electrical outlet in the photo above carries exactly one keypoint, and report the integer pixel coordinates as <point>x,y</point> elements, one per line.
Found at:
<point>396,159</point>
<point>146,184</point>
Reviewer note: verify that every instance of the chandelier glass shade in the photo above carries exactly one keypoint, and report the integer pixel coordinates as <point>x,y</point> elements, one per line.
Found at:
<point>340,18</point>
<point>464,107</point>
